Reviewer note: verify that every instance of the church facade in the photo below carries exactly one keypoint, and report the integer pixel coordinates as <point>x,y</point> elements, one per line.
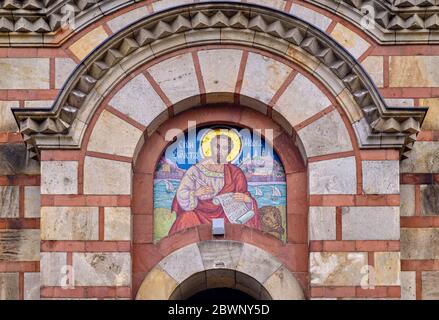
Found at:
<point>285,149</point>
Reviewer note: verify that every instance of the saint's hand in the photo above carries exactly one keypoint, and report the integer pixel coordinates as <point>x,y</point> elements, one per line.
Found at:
<point>242,197</point>
<point>203,191</point>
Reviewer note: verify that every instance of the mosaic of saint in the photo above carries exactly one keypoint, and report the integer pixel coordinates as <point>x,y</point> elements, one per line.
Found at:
<point>219,172</point>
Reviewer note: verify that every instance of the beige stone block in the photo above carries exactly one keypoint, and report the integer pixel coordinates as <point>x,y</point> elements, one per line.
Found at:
<point>413,71</point>
<point>176,77</point>
<point>220,69</point>
<point>370,223</point>
<point>326,135</point>
<point>7,120</point>
<point>429,200</point>
<point>407,200</point>
<point>38,104</point>
<point>349,105</point>
<point>165,4</point>
<point>387,268</point>
<point>9,286</point>
<point>408,285</point>
<point>53,269</point>
<point>400,102</point>
<point>127,18</point>
<point>336,176</point>
<point>431,121</point>
<point>9,198</point>
<point>301,100</point>
<point>157,285</point>
<point>84,45</point>
<point>69,223</point>
<point>117,223</point>
<point>32,202</point>
<point>59,177</point>
<point>263,77</point>
<point>63,68</point>
<point>276,4</point>
<point>282,285</point>
<point>19,245</point>
<point>183,263</point>
<point>374,66</point>
<point>102,268</point>
<point>424,158</point>
<point>139,101</point>
<point>350,40</point>
<point>303,58</point>
<point>419,243</point>
<point>381,177</point>
<point>102,176</point>
<point>24,73</point>
<point>313,17</point>
<point>224,254</point>
<point>430,285</point>
<point>113,135</point>
<point>321,223</point>
<point>31,286</point>
<point>338,268</point>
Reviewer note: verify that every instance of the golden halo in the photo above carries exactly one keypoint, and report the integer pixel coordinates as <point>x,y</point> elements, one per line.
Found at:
<point>232,134</point>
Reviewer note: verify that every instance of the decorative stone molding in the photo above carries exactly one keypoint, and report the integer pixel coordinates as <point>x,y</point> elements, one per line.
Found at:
<point>381,126</point>
<point>397,21</point>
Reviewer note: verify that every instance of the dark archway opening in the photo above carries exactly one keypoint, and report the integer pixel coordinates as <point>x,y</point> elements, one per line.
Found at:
<point>215,294</point>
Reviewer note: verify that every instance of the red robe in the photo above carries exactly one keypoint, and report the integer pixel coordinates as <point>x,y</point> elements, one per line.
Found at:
<point>234,181</point>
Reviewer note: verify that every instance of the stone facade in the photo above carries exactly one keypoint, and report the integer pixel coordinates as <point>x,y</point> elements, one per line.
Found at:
<point>76,180</point>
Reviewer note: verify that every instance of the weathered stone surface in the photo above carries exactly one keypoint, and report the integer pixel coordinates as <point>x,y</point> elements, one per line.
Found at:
<point>19,245</point>
<point>102,268</point>
<point>9,201</point>
<point>113,135</point>
<point>53,269</point>
<point>419,243</point>
<point>255,263</point>
<point>176,77</point>
<point>102,176</point>
<point>381,177</point>
<point>424,158</point>
<point>38,104</point>
<point>413,71</point>
<point>139,101</point>
<point>24,73</point>
<point>351,41</point>
<point>301,100</point>
<point>69,223</point>
<point>338,268</point>
<point>88,42</point>
<point>374,66</point>
<point>325,136</point>
<point>263,77</point>
<point>165,4</point>
<point>9,286</point>
<point>7,120</point>
<point>282,285</point>
<point>127,18</point>
<point>220,69</point>
<point>32,202</point>
<point>321,221</point>
<point>430,285</point>
<point>59,177</point>
<point>31,286</point>
<point>313,17</point>
<point>117,223</point>
<point>220,254</point>
<point>400,102</point>
<point>408,285</point>
<point>370,223</point>
<point>14,160</point>
<point>157,285</point>
<point>183,263</point>
<point>407,202</point>
<point>430,200</point>
<point>431,121</point>
<point>277,4</point>
<point>63,68</point>
<point>387,268</point>
<point>337,176</point>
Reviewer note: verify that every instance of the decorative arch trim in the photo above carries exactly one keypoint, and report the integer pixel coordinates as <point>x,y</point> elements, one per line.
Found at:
<point>201,24</point>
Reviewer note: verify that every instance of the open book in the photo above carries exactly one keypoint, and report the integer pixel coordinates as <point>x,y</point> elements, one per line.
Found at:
<point>236,211</point>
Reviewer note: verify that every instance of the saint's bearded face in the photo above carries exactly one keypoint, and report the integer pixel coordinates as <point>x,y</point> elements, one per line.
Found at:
<point>221,147</point>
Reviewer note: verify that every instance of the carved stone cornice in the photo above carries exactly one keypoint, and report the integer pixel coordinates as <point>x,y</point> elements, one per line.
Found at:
<point>381,126</point>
